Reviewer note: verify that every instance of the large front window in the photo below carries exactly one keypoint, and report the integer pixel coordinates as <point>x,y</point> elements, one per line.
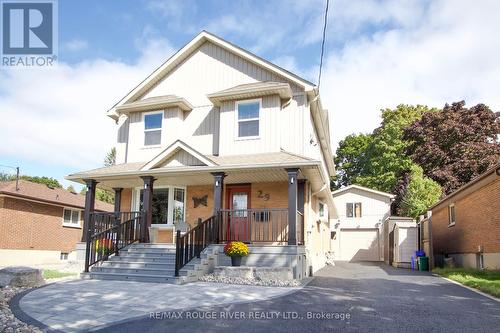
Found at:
<point>168,204</point>
<point>152,128</point>
<point>248,118</point>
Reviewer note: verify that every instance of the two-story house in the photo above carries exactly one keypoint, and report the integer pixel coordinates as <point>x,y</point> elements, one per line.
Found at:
<point>221,138</point>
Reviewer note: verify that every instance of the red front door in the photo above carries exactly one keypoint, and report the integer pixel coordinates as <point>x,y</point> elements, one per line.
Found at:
<point>238,202</point>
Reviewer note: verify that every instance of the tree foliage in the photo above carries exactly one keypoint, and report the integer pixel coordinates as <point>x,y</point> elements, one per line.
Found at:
<point>415,193</point>
<point>71,189</point>
<point>101,194</point>
<point>385,157</point>
<point>350,159</point>
<point>110,158</point>
<point>455,145</point>
<point>379,161</point>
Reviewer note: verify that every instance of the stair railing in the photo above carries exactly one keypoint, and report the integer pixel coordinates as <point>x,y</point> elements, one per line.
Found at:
<point>108,233</point>
<point>193,242</point>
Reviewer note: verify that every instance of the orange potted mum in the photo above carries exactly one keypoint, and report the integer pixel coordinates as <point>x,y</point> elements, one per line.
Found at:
<point>236,250</point>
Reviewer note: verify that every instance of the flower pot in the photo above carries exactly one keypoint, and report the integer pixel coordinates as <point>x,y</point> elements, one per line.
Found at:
<point>235,261</point>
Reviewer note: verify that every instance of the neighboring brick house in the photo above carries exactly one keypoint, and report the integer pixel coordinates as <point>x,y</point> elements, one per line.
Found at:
<point>466,223</point>
<point>39,224</point>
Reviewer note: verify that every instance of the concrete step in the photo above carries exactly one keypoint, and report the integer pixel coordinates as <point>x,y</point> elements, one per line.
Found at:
<point>146,271</point>
<point>138,264</point>
<point>163,260</point>
<point>133,277</point>
<point>152,246</point>
<point>151,250</point>
<point>148,253</point>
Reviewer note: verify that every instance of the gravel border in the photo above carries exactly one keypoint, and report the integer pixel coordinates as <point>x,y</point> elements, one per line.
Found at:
<point>9,323</point>
<point>245,281</point>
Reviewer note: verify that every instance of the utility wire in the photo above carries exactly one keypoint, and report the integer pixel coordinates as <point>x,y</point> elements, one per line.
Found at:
<point>323,43</point>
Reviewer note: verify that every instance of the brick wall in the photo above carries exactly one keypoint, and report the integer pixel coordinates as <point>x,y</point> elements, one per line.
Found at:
<point>477,222</point>
<point>28,225</point>
<point>203,212</point>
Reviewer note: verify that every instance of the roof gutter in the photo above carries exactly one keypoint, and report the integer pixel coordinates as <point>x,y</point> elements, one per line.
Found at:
<point>319,124</point>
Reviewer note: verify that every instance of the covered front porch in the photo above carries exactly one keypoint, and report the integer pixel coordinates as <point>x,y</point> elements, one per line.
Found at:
<point>192,210</point>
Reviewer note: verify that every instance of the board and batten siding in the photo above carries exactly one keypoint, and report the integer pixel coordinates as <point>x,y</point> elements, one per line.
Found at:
<point>374,208</point>
<point>212,130</point>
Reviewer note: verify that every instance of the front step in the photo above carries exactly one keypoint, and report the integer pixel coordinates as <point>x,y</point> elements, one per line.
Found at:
<point>151,263</point>
<point>134,277</point>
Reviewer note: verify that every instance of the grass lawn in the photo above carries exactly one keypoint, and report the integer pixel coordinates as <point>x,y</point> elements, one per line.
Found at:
<point>53,274</point>
<point>487,281</point>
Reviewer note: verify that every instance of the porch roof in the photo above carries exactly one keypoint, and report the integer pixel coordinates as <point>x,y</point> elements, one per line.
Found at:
<point>265,167</point>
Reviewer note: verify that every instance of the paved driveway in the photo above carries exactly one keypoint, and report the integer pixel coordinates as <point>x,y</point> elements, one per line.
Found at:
<point>357,297</point>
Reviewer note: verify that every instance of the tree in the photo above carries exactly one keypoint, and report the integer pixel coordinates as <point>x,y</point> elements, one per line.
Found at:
<point>385,157</point>
<point>350,159</point>
<point>4,177</point>
<point>110,158</point>
<point>71,189</point>
<point>101,195</point>
<point>49,181</point>
<point>456,144</point>
<point>415,193</point>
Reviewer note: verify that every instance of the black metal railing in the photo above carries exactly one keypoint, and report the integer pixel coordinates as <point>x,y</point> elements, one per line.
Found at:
<point>254,225</point>
<point>193,242</point>
<point>108,233</point>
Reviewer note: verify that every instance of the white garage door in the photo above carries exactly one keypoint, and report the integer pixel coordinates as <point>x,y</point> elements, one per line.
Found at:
<point>359,245</point>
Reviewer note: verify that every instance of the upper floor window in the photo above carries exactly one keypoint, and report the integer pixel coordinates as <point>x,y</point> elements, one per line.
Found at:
<point>451,215</point>
<point>71,218</point>
<point>353,209</point>
<point>152,128</point>
<point>248,118</point>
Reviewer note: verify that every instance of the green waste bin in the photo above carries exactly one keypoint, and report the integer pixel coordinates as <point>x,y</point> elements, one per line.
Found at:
<point>423,263</point>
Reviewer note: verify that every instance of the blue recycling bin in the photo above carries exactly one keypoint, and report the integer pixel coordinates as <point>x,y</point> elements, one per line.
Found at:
<point>414,263</point>
<point>419,253</point>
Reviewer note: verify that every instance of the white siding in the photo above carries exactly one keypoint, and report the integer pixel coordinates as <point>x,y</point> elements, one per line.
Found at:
<point>374,209</point>
<point>211,69</point>
<point>268,140</point>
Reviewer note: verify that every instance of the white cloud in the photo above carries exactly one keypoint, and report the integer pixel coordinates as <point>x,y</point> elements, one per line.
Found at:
<point>448,52</point>
<point>75,45</point>
<point>56,115</point>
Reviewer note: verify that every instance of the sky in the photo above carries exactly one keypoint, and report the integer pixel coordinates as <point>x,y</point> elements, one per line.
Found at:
<point>378,54</point>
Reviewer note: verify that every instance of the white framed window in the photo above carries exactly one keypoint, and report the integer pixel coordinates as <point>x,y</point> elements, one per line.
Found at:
<point>248,119</point>
<point>71,218</point>
<point>353,209</point>
<point>451,215</point>
<point>169,204</point>
<point>321,209</point>
<point>152,128</point>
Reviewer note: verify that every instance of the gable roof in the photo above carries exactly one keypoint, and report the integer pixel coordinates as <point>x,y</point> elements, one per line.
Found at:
<point>171,150</point>
<point>361,188</point>
<point>189,48</point>
<point>55,196</point>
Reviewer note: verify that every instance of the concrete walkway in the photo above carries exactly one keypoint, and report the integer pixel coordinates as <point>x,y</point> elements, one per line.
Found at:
<point>83,305</point>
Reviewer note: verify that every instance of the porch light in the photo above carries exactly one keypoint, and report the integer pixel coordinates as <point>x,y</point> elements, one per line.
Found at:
<point>145,186</point>
<point>291,180</point>
<point>217,183</point>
